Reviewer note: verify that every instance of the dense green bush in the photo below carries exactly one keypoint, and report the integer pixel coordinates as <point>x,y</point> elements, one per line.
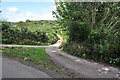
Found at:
<point>96,36</point>
<point>79,32</point>
<point>15,35</point>
<point>99,52</point>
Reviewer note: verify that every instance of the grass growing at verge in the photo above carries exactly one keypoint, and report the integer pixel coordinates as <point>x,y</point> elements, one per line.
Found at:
<point>36,55</point>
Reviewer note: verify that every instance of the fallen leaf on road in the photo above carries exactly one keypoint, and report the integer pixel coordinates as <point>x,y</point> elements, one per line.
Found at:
<point>25,58</point>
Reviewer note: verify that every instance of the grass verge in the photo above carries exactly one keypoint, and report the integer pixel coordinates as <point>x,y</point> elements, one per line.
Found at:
<point>36,55</point>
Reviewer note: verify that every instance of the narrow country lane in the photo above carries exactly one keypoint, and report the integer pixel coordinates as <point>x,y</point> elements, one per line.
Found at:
<point>81,67</point>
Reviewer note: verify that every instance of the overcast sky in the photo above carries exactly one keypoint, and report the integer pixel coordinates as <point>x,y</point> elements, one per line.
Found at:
<point>20,11</point>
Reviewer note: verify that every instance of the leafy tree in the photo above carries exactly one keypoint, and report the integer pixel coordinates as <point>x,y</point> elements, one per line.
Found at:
<point>28,20</point>
<point>95,26</point>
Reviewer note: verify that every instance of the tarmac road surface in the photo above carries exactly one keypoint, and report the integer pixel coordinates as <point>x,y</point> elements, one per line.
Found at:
<point>15,69</point>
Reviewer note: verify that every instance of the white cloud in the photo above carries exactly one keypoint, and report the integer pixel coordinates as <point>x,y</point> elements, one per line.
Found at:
<point>13,9</point>
<point>14,15</point>
<point>50,9</point>
<point>28,1</point>
<point>29,15</point>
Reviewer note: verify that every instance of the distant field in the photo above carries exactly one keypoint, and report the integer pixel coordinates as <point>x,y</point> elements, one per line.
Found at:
<point>36,25</point>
